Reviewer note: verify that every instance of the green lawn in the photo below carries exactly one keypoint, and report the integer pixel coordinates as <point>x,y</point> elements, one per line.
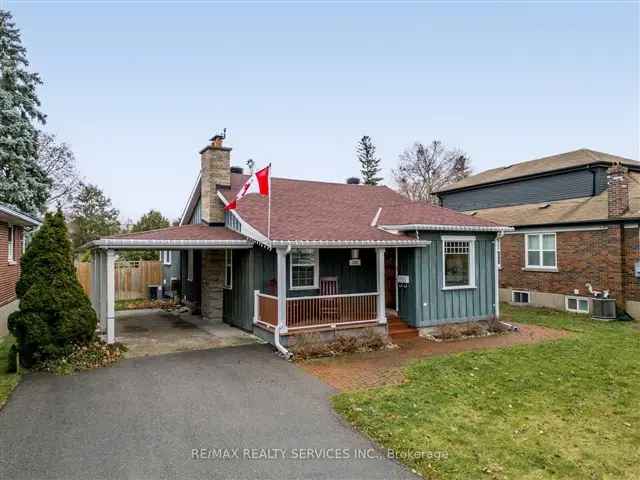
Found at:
<point>565,409</point>
<point>8,381</point>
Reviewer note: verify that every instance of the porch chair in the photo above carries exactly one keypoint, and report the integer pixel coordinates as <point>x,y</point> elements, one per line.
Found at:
<point>329,308</point>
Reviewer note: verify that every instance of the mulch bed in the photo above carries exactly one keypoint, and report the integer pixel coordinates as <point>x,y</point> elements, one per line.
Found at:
<point>374,369</point>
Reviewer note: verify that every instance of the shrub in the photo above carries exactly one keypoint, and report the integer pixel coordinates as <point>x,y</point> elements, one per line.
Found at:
<point>471,329</point>
<point>496,326</point>
<point>54,312</point>
<point>346,344</point>
<point>448,332</point>
<point>12,360</point>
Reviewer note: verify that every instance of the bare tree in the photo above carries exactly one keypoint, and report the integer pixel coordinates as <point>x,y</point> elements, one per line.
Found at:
<point>424,169</point>
<point>59,164</point>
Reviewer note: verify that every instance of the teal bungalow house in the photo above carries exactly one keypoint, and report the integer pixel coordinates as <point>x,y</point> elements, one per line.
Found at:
<point>339,258</point>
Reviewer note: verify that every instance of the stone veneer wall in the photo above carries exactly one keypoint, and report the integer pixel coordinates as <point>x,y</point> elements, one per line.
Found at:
<point>212,284</point>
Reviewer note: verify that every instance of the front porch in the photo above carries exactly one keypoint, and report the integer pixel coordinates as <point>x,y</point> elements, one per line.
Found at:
<point>322,307</point>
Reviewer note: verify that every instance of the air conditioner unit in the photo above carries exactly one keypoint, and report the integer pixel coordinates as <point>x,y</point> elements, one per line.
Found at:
<point>604,308</point>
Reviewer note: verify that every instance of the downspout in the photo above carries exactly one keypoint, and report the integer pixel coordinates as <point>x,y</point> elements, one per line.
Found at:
<point>276,333</point>
<point>497,270</point>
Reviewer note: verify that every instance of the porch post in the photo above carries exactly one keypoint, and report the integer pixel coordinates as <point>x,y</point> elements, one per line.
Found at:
<point>94,282</point>
<point>382,317</point>
<point>101,302</point>
<point>497,275</point>
<point>282,289</point>
<point>111,296</point>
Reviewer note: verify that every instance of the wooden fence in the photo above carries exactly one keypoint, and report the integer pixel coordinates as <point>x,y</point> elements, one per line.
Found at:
<point>132,278</point>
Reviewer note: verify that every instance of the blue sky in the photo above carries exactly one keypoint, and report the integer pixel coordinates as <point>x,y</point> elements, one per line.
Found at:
<point>137,89</point>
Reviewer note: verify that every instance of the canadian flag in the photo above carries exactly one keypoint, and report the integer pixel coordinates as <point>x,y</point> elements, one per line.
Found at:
<point>259,182</point>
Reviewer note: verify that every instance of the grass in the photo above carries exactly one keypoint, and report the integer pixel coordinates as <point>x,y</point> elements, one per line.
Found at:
<point>564,409</point>
<point>8,381</point>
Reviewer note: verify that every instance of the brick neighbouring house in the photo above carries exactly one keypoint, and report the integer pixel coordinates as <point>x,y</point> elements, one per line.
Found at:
<point>583,205</point>
<point>12,242</point>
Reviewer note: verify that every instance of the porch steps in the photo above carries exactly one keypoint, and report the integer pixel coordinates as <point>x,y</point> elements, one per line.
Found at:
<point>399,329</point>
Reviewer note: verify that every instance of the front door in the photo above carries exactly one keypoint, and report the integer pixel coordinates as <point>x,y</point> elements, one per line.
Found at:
<point>390,277</point>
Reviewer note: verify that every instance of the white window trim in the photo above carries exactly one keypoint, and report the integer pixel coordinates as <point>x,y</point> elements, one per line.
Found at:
<point>577,299</point>
<point>166,257</point>
<point>528,302</point>
<point>24,243</point>
<point>540,267</point>
<point>228,260</point>
<point>472,261</point>
<point>316,271</point>
<point>190,265</point>
<point>11,244</point>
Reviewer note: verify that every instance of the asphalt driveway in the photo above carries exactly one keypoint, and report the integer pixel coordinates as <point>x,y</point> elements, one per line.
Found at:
<point>149,418</point>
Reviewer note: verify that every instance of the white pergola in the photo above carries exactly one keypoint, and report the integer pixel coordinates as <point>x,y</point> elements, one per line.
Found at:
<point>103,291</point>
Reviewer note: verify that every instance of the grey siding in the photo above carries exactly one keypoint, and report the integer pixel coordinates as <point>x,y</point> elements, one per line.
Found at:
<point>169,272</point>
<point>238,300</point>
<point>230,221</point>
<point>196,216</point>
<point>574,184</point>
<point>424,303</point>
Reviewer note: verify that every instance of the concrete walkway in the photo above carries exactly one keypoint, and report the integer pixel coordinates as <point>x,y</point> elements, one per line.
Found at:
<point>156,332</point>
<point>145,417</point>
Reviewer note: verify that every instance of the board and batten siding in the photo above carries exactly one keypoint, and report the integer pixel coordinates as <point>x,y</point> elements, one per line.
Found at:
<point>424,303</point>
<point>576,184</point>
<point>237,304</point>
<point>196,216</point>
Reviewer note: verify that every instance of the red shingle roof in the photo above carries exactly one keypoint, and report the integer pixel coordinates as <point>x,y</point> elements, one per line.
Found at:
<point>304,210</point>
<point>184,232</point>
<point>419,213</point>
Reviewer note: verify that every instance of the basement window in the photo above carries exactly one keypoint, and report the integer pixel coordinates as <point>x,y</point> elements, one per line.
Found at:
<point>577,304</point>
<point>520,297</point>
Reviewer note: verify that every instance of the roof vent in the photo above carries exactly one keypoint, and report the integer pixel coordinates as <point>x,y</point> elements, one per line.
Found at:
<point>353,181</point>
<point>508,166</point>
<point>546,205</point>
<point>473,214</point>
<point>237,170</point>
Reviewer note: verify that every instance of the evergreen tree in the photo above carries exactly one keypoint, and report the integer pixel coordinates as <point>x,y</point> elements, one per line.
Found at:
<point>369,163</point>
<point>54,313</point>
<point>23,183</point>
<point>92,216</point>
<point>149,221</point>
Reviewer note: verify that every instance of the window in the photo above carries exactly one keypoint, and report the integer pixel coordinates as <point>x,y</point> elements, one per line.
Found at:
<point>577,304</point>
<point>541,250</point>
<point>518,296</point>
<point>304,269</point>
<point>166,257</point>
<point>458,262</point>
<point>228,269</point>
<point>499,255</point>
<point>190,265</point>
<point>11,240</point>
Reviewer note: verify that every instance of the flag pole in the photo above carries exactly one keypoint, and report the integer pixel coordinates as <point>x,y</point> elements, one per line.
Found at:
<point>269,213</point>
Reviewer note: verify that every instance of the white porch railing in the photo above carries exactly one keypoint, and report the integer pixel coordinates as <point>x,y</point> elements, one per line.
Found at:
<point>323,311</point>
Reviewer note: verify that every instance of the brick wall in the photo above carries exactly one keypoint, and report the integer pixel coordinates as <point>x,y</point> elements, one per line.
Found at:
<point>9,273</point>
<point>604,258</point>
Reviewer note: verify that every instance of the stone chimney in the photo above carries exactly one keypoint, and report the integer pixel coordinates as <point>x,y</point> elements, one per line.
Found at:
<point>618,190</point>
<point>215,173</point>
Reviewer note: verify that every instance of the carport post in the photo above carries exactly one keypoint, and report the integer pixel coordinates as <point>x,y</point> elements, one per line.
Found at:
<point>111,296</point>
<point>102,292</point>
<point>94,283</point>
<point>382,317</point>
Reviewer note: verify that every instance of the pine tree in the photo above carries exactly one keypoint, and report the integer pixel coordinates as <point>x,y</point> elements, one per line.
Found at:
<point>54,312</point>
<point>23,183</point>
<point>369,163</point>
<point>92,216</point>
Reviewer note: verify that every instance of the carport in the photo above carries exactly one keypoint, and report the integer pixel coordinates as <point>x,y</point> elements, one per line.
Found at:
<point>185,237</point>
